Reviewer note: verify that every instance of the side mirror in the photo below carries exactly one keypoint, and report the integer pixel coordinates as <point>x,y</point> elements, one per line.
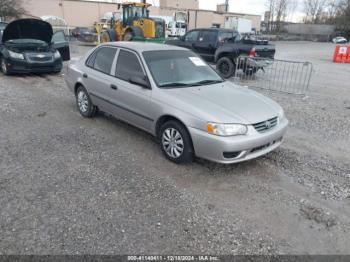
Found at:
<point>140,81</point>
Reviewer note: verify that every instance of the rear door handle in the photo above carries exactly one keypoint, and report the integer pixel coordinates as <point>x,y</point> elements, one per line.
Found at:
<point>114,87</point>
<point>85,75</point>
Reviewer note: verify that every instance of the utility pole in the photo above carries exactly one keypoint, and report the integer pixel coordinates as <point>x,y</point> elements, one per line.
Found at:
<point>227,3</point>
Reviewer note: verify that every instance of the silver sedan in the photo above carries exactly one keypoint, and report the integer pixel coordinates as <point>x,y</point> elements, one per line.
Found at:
<point>173,94</point>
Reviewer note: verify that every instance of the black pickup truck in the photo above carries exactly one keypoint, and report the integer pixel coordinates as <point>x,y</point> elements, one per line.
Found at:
<point>225,47</point>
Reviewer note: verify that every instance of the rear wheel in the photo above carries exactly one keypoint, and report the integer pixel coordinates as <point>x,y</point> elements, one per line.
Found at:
<point>85,106</point>
<point>176,142</point>
<point>226,67</point>
<point>4,67</point>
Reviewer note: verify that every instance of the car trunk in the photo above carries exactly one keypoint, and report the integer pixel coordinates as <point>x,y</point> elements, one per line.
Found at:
<point>262,47</point>
<point>267,51</point>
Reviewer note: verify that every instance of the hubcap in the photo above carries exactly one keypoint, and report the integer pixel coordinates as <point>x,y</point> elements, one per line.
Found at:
<point>3,66</point>
<point>83,101</point>
<point>224,68</point>
<point>173,143</point>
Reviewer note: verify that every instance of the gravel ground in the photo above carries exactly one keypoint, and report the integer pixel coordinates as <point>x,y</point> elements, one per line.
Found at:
<point>70,185</point>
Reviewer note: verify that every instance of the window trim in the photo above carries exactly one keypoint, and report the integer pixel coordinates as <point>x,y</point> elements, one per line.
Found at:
<point>95,52</point>
<point>194,30</point>
<point>137,56</point>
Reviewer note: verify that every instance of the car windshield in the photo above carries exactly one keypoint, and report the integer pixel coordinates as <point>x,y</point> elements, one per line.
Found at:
<point>177,68</point>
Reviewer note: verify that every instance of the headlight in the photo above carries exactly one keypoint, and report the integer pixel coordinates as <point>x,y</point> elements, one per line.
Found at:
<point>226,129</point>
<point>16,55</point>
<point>57,55</point>
<point>281,115</point>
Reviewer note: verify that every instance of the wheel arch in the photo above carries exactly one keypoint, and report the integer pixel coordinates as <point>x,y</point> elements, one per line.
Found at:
<point>166,118</point>
<point>227,54</point>
<point>76,86</point>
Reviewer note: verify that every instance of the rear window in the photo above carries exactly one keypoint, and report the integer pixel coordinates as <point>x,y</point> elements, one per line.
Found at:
<point>102,59</point>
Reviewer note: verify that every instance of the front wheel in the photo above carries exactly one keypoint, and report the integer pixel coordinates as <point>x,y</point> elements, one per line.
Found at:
<point>85,106</point>
<point>4,67</point>
<point>176,142</point>
<point>226,67</point>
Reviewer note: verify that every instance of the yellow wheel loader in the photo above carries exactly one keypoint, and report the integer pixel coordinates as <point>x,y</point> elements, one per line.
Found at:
<point>135,25</point>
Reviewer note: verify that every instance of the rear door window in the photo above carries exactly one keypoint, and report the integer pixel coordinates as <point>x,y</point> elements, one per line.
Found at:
<point>208,36</point>
<point>192,36</point>
<point>224,36</point>
<point>102,59</point>
<point>128,65</point>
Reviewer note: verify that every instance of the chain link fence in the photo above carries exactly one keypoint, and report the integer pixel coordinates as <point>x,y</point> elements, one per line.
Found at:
<point>272,74</point>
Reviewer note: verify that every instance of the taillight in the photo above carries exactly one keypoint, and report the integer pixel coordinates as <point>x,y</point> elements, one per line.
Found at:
<point>252,52</point>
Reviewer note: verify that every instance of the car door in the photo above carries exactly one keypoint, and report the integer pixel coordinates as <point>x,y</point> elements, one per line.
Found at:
<point>207,44</point>
<point>133,100</point>
<point>60,42</point>
<point>98,78</point>
<point>190,39</point>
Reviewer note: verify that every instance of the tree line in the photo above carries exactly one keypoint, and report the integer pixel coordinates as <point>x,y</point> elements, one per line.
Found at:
<point>336,12</point>
<point>10,9</point>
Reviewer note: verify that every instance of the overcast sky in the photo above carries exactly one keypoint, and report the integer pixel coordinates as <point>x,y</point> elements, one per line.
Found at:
<point>243,6</point>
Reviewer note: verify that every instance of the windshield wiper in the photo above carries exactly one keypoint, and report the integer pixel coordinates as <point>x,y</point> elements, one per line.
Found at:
<point>200,83</point>
<point>177,84</point>
<point>208,82</point>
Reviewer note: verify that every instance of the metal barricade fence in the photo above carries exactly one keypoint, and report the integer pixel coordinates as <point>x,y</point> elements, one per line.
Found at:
<point>273,74</point>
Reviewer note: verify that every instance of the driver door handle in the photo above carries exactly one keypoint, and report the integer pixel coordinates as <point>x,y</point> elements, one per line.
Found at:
<point>114,87</point>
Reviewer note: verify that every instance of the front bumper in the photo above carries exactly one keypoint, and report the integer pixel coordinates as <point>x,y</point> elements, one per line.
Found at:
<point>241,148</point>
<point>25,66</point>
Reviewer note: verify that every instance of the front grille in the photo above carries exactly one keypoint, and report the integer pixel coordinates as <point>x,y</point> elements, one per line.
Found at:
<point>266,125</point>
<point>40,57</point>
<point>259,148</point>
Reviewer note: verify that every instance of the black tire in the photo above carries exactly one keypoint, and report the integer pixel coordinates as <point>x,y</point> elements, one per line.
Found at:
<point>3,66</point>
<point>112,35</point>
<point>187,153</point>
<point>90,110</point>
<point>226,67</point>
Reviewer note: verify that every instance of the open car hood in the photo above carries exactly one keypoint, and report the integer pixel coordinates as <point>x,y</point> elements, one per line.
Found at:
<point>28,29</point>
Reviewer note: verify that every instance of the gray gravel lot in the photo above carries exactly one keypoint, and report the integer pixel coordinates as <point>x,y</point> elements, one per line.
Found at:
<point>70,185</point>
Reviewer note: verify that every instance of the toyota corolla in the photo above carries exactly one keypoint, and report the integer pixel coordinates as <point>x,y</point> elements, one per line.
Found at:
<point>173,94</point>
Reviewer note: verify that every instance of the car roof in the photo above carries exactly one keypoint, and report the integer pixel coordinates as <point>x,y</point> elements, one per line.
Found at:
<point>216,29</point>
<point>143,46</point>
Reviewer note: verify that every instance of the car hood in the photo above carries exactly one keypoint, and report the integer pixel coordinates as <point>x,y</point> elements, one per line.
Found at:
<point>28,29</point>
<point>226,103</point>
